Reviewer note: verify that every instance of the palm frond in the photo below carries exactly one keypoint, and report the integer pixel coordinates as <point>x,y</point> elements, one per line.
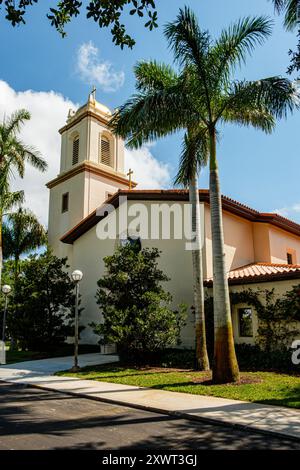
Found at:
<point>16,120</point>
<point>194,155</point>
<point>9,200</point>
<point>31,155</point>
<point>237,42</point>
<point>188,42</point>
<point>14,159</point>
<point>247,116</point>
<point>290,8</point>
<point>154,76</point>
<point>148,116</point>
<point>279,5</point>
<point>291,19</point>
<point>191,46</point>
<point>275,95</point>
<point>22,233</point>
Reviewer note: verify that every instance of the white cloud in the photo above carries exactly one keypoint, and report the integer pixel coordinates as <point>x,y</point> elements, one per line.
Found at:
<point>290,212</point>
<point>94,71</point>
<point>149,173</point>
<point>48,113</point>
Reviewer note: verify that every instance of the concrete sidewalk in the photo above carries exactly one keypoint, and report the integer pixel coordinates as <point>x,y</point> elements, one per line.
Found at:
<point>264,418</point>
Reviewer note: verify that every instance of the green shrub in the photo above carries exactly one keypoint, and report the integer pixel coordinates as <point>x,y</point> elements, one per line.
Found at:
<point>135,307</point>
<point>252,357</point>
<point>41,309</point>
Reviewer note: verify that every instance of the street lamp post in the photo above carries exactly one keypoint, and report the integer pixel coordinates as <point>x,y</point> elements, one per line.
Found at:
<point>6,291</point>
<point>76,277</point>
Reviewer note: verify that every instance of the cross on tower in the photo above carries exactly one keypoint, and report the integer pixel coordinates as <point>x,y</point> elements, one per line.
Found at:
<point>93,93</point>
<point>129,174</point>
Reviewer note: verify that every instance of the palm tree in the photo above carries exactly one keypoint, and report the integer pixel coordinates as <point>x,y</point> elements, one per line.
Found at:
<point>14,154</point>
<point>193,157</point>
<point>7,202</point>
<point>291,9</point>
<point>21,233</point>
<point>212,97</point>
<point>160,78</point>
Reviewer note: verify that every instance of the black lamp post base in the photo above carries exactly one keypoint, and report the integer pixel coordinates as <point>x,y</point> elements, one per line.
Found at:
<point>75,369</point>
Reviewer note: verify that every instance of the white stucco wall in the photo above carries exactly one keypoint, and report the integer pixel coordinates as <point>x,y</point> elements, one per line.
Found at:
<point>175,261</point>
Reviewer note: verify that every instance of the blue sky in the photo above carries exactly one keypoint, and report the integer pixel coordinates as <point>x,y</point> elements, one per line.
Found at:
<point>258,170</point>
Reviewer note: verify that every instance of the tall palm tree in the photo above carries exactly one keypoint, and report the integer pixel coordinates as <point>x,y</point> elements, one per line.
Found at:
<point>193,157</point>
<point>162,79</point>
<point>21,233</point>
<point>291,9</point>
<point>14,154</point>
<point>212,98</point>
<point>7,202</point>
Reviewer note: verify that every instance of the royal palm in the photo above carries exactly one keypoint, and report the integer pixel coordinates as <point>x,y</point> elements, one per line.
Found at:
<point>22,233</point>
<point>14,154</point>
<point>154,78</point>
<point>211,98</point>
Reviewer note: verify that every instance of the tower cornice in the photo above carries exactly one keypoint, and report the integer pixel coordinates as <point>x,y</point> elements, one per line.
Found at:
<point>94,169</point>
<point>87,113</point>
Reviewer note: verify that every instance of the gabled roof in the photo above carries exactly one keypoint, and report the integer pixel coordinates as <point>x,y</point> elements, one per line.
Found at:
<point>261,272</point>
<point>228,204</point>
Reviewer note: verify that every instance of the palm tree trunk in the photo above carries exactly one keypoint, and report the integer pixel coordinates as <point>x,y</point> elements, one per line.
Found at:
<point>13,341</point>
<point>202,362</point>
<point>16,272</point>
<point>225,366</point>
<point>1,251</point>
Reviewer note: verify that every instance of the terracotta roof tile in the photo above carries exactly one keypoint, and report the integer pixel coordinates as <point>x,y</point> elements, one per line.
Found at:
<point>228,204</point>
<point>261,272</point>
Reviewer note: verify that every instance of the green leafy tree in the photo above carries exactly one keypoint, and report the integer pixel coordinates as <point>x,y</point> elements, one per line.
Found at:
<point>107,14</point>
<point>134,305</point>
<point>212,97</point>
<point>41,314</point>
<point>22,233</point>
<point>14,154</point>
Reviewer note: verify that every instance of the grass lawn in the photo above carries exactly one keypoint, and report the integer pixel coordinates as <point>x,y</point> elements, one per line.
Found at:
<point>20,356</point>
<point>65,350</point>
<point>264,387</point>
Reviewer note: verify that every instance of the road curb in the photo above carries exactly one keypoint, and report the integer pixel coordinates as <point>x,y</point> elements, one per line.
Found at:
<point>177,414</point>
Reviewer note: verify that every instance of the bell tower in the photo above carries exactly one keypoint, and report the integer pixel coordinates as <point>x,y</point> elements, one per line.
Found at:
<point>91,170</point>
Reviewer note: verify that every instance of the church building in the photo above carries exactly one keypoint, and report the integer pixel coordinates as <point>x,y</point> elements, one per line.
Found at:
<point>91,190</point>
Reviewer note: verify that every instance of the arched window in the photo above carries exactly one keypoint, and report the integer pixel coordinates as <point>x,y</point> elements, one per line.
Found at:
<point>75,153</point>
<point>105,150</point>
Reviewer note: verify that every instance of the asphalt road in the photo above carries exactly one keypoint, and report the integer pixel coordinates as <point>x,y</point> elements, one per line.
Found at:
<point>36,420</point>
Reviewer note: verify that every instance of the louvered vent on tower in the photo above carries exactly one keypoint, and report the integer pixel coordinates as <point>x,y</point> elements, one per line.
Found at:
<point>105,151</point>
<point>75,156</point>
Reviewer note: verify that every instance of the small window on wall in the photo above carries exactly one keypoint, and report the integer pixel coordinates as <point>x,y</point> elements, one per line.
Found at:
<point>289,258</point>
<point>65,202</point>
<point>105,151</point>
<point>75,155</point>
<point>245,322</point>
